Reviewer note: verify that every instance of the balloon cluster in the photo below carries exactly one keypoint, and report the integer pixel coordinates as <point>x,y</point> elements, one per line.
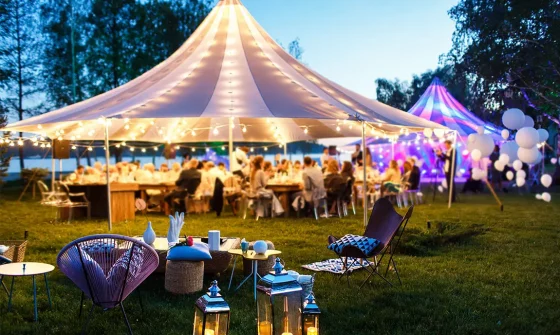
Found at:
<point>524,149</point>
<point>480,145</point>
<point>527,137</point>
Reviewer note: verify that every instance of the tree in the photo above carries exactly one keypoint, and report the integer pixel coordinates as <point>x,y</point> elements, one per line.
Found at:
<point>19,64</point>
<point>63,63</point>
<point>295,49</point>
<point>110,46</point>
<point>510,44</point>
<point>4,156</point>
<point>393,93</point>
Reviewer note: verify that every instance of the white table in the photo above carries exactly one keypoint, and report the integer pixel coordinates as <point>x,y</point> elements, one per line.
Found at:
<point>27,269</point>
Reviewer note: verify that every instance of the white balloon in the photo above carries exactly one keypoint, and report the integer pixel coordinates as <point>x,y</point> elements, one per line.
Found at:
<point>428,132</point>
<point>400,162</point>
<point>471,138</point>
<point>484,143</point>
<point>546,196</point>
<point>543,135</point>
<point>504,159</point>
<point>513,118</point>
<point>510,148</point>
<point>440,188</point>
<point>521,174</point>
<point>477,174</point>
<point>529,156</point>
<point>439,132</point>
<point>546,180</point>
<point>505,134</point>
<point>476,155</point>
<point>520,182</point>
<point>509,175</point>
<point>517,165</point>
<point>553,160</point>
<point>529,122</point>
<point>480,130</point>
<point>538,196</point>
<point>444,183</point>
<point>527,137</point>
<point>499,166</point>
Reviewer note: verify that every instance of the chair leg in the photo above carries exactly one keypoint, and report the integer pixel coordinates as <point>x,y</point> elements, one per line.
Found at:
<point>326,209</point>
<point>81,305</point>
<point>126,319</point>
<point>315,212</point>
<point>353,207</point>
<point>89,318</point>
<point>339,208</point>
<point>4,285</point>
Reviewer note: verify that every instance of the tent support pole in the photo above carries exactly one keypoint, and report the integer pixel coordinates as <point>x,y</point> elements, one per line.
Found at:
<point>452,179</point>
<point>108,176</point>
<point>53,167</point>
<point>364,187</point>
<point>286,150</point>
<point>392,149</point>
<point>230,142</point>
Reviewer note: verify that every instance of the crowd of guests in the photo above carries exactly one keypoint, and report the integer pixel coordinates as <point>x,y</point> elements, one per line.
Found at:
<point>197,179</point>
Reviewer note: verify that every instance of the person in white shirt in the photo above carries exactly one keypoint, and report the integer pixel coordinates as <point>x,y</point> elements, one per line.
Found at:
<point>239,161</point>
<point>174,173</point>
<point>325,157</point>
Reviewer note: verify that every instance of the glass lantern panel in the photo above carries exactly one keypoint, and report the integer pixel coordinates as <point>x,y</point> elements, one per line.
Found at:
<point>216,324</point>
<point>264,314</point>
<point>311,321</point>
<point>287,314</point>
<point>198,322</point>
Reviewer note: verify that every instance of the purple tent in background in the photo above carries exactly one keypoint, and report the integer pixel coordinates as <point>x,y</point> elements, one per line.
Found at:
<point>438,105</point>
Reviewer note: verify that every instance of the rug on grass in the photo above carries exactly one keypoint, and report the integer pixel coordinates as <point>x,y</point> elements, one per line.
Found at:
<point>335,265</point>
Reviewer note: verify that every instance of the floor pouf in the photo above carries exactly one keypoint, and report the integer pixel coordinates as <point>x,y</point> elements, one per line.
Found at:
<point>184,277</point>
<point>264,267</point>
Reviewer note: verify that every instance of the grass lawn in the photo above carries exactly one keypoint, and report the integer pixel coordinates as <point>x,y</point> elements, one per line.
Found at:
<point>483,272</point>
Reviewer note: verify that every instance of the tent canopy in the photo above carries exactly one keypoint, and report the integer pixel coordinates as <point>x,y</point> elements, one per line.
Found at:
<point>230,71</point>
<point>438,105</point>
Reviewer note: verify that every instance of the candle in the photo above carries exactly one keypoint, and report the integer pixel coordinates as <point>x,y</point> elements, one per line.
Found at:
<point>312,331</point>
<point>265,328</point>
<point>208,332</point>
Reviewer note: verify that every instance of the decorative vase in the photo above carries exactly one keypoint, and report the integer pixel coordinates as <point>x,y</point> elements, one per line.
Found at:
<point>260,247</point>
<point>149,235</point>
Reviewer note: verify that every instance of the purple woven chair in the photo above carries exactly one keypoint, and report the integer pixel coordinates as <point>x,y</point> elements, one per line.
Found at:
<point>107,268</point>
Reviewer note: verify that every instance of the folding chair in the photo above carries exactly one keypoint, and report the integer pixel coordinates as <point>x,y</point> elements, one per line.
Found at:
<point>383,225</point>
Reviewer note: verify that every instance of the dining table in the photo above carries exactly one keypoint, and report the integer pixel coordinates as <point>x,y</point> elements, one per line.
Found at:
<point>283,190</point>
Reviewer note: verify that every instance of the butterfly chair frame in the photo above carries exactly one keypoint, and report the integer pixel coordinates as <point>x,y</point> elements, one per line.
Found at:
<point>151,259</point>
<point>385,224</point>
<point>4,260</point>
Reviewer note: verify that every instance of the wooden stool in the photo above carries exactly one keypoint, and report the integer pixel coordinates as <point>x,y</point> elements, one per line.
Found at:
<point>184,277</point>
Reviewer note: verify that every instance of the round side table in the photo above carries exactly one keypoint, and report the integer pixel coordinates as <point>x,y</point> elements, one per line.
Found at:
<point>23,270</point>
<point>254,258</point>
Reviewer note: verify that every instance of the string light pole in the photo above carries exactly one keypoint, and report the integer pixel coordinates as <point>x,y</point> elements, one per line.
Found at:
<point>452,176</point>
<point>108,174</point>
<point>230,142</point>
<point>364,187</point>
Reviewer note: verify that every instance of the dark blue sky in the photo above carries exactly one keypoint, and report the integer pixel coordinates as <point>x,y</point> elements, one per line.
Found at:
<point>353,42</point>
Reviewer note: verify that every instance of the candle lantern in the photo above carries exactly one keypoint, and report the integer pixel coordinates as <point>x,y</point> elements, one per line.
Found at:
<point>211,315</point>
<point>278,303</point>
<point>310,316</point>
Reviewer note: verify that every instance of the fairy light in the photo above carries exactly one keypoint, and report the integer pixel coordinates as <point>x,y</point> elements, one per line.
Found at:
<point>207,149</point>
<point>252,149</point>
<point>118,146</point>
<point>337,128</point>
<point>177,147</point>
<point>193,149</point>
<point>305,131</point>
<point>265,149</point>
<point>42,145</point>
<point>143,149</point>
<point>73,147</point>
<point>216,131</point>
<point>193,133</point>
<point>127,126</point>
<point>48,145</point>
<point>244,129</point>
<point>132,149</point>
<point>156,148</point>
<point>60,138</point>
<point>90,149</point>
<point>223,148</point>
<point>39,126</point>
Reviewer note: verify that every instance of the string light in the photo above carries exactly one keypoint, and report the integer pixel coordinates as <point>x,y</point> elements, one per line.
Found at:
<point>337,128</point>
<point>48,145</point>
<point>73,147</point>
<point>20,142</point>
<point>193,133</point>
<point>305,131</point>
<point>118,146</point>
<point>177,147</point>
<point>265,149</point>
<point>156,148</point>
<point>143,149</point>
<point>216,131</point>
<point>132,149</point>
<point>127,126</point>
<point>223,148</point>
<point>252,150</point>
<point>207,149</point>
<point>90,149</point>
<point>244,129</point>
<point>193,149</point>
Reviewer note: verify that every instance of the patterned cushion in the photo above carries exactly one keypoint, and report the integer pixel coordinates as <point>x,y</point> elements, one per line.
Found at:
<point>365,244</point>
<point>122,263</point>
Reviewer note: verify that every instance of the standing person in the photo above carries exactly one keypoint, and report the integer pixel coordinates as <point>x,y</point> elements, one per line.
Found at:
<point>496,175</point>
<point>447,158</point>
<point>357,156</point>
<point>325,157</point>
<point>239,161</point>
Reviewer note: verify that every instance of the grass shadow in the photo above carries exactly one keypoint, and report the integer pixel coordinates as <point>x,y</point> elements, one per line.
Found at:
<point>425,242</point>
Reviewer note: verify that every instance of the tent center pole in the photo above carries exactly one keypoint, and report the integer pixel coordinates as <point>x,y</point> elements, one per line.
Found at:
<point>53,167</point>
<point>230,143</point>
<point>364,168</point>
<point>108,176</point>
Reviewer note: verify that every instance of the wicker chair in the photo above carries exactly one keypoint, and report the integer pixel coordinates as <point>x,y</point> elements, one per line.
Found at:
<point>107,269</point>
<point>4,260</point>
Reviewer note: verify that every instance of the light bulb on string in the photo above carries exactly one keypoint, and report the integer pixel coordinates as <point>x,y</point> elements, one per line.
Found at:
<point>244,129</point>
<point>305,131</point>
<point>20,142</point>
<point>193,133</point>
<point>223,148</point>
<point>143,149</point>
<point>42,145</point>
<point>73,147</point>
<point>337,128</point>
<point>216,131</point>
<point>35,144</point>
<point>265,149</point>
<point>177,147</point>
<point>207,149</point>
<point>252,149</point>
<point>118,146</point>
<point>48,145</point>
<point>193,149</point>
<point>90,149</point>
<point>132,149</point>
<point>156,148</point>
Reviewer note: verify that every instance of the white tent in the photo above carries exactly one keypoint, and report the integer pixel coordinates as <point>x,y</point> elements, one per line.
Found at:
<point>230,81</point>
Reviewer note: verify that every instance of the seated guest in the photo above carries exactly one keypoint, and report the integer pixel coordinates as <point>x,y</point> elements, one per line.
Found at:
<point>258,179</point>
<point>334,183</point>
<point>188,182</point>
<point>297,171</point>
<point>347,171</point>
<point>411,175</point>
<point>392,180</point>
<point>175,171</point>
<point>240,161</point>
<point>207,183</point>
<point>80,171</point>
<point>98,167</point>
<point>313,183</point>
<point>268,169</point>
